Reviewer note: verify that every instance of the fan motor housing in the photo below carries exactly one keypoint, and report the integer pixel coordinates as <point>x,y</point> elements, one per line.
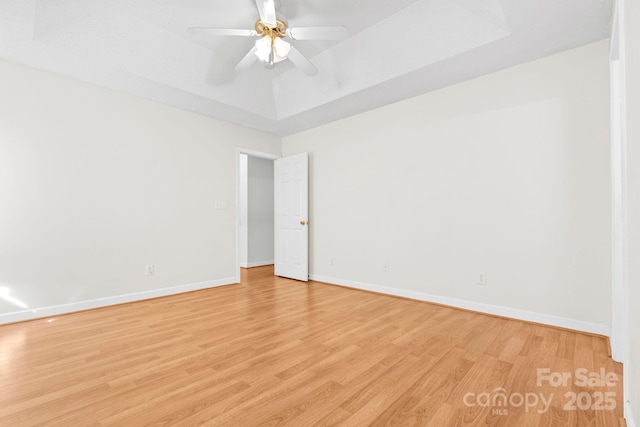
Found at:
<point>280,30</point>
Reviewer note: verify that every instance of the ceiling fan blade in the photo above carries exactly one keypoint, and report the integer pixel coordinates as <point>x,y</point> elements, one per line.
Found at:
<point>336,33</point>
<point>222,31</point>
<point>267,10</point>
<point>301,61</point>
<point>248,60</point>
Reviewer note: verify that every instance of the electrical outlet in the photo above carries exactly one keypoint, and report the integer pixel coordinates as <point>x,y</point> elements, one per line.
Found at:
<point>385,267</point>
<point>333,260</point>
<point>482,279</point>
<point>149,270</point>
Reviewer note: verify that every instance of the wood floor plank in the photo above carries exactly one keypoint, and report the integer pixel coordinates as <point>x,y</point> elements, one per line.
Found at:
<point>272,351</point>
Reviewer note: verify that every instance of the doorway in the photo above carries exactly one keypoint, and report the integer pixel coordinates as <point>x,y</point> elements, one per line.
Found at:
<point>255,207</point>
<point>272,224</point>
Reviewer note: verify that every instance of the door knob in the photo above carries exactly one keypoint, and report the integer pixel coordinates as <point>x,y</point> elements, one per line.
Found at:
<point>303,222</point>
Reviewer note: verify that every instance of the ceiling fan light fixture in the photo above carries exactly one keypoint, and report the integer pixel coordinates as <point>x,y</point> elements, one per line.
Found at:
<point>271,47</point>
<point>272,50</point>
<point>263,48</point>
<point>281,49</point>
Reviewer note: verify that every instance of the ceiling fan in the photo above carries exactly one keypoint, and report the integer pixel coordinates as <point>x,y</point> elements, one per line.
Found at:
<point>271,46</point>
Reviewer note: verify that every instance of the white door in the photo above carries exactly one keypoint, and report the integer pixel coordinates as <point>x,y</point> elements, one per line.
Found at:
<point>291,212</point>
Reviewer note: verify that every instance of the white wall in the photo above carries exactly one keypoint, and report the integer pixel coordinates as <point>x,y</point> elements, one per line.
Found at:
<point>507,174</point>
<point>632,72</point>
<point>96,184</point>
<point>260,212</point>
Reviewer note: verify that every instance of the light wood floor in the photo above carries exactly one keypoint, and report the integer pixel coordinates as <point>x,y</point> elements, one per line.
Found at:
<point>272,352</point>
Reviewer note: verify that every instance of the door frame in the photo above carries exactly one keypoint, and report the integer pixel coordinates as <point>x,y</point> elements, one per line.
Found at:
<point>251,153</point>
<point>619,261</point>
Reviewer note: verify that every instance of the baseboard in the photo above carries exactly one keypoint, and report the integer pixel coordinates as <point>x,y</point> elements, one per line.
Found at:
<point>513,313</point>
<point>37,313</point>
<point>628,415</point>
<point>257,264</point>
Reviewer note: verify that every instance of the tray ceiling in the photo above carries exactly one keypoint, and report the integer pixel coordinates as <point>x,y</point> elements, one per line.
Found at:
<point>396,49</point>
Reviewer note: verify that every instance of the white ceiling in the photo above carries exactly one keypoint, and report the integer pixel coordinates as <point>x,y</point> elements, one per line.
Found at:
<point>396,49</point>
